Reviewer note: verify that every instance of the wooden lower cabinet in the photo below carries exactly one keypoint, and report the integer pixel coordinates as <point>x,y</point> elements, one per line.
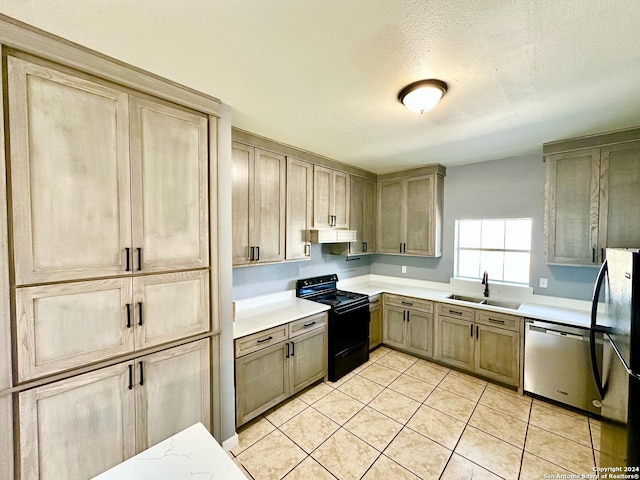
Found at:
<point>408,325</point>
<point>6,438</point>
<point>479,346</point>
<point>454,342</point>
<point>375,322</point>
<point>84,425</point>
<point>497,354</point>
<point>270,375</point>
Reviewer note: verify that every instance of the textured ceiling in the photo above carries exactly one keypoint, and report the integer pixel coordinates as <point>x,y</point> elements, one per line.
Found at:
<point>324,75</point>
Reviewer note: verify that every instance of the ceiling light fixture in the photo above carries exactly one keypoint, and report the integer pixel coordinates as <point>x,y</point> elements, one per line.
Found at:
<point>423,95</point>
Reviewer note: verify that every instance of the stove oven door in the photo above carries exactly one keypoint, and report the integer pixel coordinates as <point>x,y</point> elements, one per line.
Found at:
<point>348,339</point>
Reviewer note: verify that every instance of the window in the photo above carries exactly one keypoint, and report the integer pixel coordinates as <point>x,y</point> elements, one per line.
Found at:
<point>502,247</point>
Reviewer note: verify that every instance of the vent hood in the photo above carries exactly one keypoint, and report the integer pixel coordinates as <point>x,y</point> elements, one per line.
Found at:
<point>329,235</point>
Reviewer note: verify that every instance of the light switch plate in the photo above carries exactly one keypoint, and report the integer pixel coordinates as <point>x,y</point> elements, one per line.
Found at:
<point>404,269</point>
<point>543,282</point>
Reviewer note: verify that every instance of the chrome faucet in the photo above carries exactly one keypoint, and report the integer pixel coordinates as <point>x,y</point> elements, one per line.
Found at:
<point>485,282</point>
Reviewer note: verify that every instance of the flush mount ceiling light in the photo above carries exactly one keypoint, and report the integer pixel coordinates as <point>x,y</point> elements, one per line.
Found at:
<point>423,95</point>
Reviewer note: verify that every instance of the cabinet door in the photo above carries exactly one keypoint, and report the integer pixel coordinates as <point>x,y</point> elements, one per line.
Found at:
<point>262,381</point>
<point>497,354</point>
<point>620,196</point>
<point>270,198</point>
<point>242,202</point>
<point>172,392</point>
<point>6,439</point>
<point>420,332</point>
<point>307,359</point>
<point>169,184</point>
<point>299,209</point>
<point>69,175</point>
<point>420,225</point>
<point>78,427</point>
<point>369,216</point>
<point>170,306</point>
<point>571,207</point>
<point>322,193</point>
<point>68,325</point>
<point>341,186</point>
<point>391,216</point>
<point>394,328</point>
<point>454,342</point>
<point>356,215</point>
<point>375,327</point>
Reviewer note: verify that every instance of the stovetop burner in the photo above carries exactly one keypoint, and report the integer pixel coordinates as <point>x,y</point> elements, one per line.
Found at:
<point>324,290</point>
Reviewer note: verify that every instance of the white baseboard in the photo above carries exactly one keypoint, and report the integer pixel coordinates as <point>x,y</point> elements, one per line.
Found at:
<point>230,442</point>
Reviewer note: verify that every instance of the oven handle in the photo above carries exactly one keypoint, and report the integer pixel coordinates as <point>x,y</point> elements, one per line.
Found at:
<point>351,309</point>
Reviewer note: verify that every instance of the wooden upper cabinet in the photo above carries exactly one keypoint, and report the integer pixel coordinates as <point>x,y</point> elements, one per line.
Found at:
<point>259,196</point>
<point>103,183</point>
<point>169,158</point>
<point>590,198</point>
<point>620,196</point>
<point>572,192</point>
<point>299,209</point>
<point>410,213</point>
<point>69,175</point>
<point>331,196</point>
<point>363,215</point>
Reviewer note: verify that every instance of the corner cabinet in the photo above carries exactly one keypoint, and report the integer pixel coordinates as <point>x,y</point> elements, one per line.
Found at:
<point>590,195</point>
<point>483,342</point>
<point>258,205</point>
<point>274,364</point>
<point>331,191</point>
<point>408,324</point>
<point>363,215</point>
<point>410,211</point>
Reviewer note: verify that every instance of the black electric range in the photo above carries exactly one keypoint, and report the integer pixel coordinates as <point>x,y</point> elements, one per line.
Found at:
<point>348,327</point>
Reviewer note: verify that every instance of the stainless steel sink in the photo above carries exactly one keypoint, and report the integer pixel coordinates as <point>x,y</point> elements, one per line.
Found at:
<point>485,301</point>
<point>464,298</point>
<point>498,303</point>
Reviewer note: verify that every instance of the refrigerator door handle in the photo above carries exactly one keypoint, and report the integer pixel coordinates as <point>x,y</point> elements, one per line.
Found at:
<point>630,372</point>
<point>592,331</point>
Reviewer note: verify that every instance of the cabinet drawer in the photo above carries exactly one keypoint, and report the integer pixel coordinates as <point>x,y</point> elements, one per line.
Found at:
<point>375,302</point>
<point>252,343</point>
<point>307,324</point>
<point>500,320</point>
<point>455,311</point>
<point>409,302</point>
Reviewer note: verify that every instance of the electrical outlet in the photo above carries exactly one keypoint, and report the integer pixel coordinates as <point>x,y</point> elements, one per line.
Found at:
<point>543,282</point>
<point>404,269</point>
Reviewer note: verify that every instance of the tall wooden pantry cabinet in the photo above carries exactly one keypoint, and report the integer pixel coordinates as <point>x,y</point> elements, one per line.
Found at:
<point>107,299</point>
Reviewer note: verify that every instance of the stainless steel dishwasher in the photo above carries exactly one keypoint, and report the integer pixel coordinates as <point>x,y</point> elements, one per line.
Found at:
<point>557,364</point>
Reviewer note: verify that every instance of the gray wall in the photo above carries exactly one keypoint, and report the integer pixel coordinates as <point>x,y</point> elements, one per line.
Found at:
<point>264,279</point>
<point>508,188</point>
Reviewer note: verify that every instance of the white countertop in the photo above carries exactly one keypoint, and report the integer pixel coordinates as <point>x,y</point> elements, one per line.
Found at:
<point>267,311</point>
<point>190,454</point>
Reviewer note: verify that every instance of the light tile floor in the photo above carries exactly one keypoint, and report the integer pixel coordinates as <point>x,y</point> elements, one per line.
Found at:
<point>399,417</point>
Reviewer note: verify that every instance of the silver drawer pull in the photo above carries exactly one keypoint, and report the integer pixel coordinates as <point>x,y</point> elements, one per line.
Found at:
<point>307,325</point>
<point>455,312</point>
<point>493,320</point>
<point>407,303</point>
<point>262,340</point>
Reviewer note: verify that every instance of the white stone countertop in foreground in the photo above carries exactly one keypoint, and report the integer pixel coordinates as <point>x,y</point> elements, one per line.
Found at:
<point>191,454</point>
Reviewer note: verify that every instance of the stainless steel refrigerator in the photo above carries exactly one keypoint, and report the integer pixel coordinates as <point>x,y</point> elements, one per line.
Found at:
<point>616,313</point>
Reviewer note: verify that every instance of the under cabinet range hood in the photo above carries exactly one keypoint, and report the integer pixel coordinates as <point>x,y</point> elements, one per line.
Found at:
<point>329,235</point>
